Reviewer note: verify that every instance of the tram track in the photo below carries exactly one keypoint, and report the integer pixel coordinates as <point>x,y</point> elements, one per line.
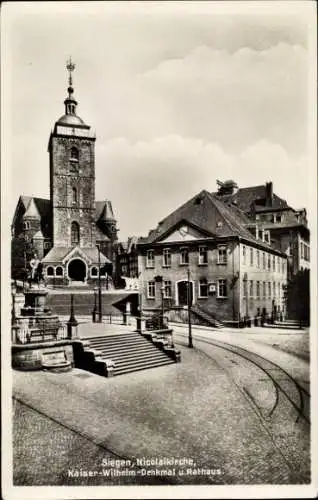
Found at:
<point>273,371</point>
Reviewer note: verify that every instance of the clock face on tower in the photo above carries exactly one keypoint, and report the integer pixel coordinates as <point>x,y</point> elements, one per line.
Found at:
<point>183,231</point>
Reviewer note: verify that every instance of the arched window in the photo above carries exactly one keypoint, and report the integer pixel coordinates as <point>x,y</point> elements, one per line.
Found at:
<point>94,272</point>
<point>50,271</point>
<point>26,225</point>
<point>74,154</point>
<point>75,233</point>
<point>74,195</point>
<point>59,271</point>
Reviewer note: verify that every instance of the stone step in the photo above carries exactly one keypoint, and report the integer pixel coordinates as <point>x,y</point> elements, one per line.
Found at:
<point>132,359</point>
<point>138,367</point>
<point>129,351</point>
<point>118,340</point>
<point>109,351</point>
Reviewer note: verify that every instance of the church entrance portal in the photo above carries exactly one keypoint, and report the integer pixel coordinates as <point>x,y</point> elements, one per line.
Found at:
<point>77,270</point>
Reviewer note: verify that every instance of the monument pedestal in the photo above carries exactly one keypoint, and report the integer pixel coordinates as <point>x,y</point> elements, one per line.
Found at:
<point>39,339</point>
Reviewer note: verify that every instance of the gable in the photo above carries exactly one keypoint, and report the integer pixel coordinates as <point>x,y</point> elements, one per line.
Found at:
<point>183,233</point>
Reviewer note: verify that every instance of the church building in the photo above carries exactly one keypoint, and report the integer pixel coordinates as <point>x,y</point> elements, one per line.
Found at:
<point>72,234</point>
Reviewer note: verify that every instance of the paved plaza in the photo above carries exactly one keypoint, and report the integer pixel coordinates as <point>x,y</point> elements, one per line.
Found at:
<point>69,424</point>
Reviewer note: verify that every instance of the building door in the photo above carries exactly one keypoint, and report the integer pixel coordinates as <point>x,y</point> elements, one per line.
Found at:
<point>77,270</point>
<point>182,288</point>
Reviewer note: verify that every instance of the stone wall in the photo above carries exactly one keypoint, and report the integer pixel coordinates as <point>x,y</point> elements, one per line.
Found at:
<point>64,179</point>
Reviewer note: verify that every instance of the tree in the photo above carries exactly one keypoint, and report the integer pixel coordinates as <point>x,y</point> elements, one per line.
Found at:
<point>298,297</point>
<point>22,251</point>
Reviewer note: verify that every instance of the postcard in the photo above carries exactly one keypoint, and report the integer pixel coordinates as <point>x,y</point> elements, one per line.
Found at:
<point>159,244</point>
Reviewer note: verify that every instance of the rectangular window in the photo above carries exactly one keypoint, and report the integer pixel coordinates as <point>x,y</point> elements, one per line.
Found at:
<point>222,288</point>
<point>283,267</point>
<point>269,290</point>
<point>203,288</point>
<point>222,255</point>
<point>264,290</point>
<point>274,290</point>
<point>151,290</point>
<point>184,256</point>
<point>278,264</point>
<point>264,260</point>
<point>251,256</point>
<point>258,291</point>
<point>150,262</point>
<point>245,288</point>
<point>267,236</point>
<point>258,258</point>
<point>278,289</point>
<point>301,250</point>
<point>269,262</point>
<point>166,257</point>
<point>203,255</point>
<point>244,254</point>
<point>251,289</point>
<point>167,291</point>
<point>274,263</point>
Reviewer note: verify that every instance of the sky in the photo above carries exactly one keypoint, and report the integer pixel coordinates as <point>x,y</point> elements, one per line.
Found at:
<point>179,95</point>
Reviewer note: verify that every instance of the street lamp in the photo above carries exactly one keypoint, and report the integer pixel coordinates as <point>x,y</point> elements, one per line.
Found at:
<point>99,288</point>
<point>189,297</point>
<point>72,323</point>
<point>162,288</point>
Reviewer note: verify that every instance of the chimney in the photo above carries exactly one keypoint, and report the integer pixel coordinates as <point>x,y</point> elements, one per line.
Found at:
<point>269,193</point>
<point>227,187</point>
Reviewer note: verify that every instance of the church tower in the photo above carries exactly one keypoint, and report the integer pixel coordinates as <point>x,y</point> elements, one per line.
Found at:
<point>72,177</point>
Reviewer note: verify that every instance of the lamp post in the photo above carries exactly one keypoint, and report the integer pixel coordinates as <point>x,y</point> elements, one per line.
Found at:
<point>72,323</point>
<point>95,308</point>
<point>189,297</point>
<point>162,288</point>
<point>99,288</point>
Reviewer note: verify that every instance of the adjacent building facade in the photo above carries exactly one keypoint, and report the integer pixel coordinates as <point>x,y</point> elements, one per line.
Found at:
<point>72,234</point>
<point>284,227</point>
<point>205,252</point>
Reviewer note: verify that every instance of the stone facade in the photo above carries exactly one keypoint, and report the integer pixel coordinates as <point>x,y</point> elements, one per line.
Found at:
<point>73,235</point>
<point>230,288</point>
<point>232,273</point>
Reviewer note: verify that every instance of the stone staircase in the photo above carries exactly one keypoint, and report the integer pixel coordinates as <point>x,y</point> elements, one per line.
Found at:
<point>112,355</point>
<point>287,324</point>
<point>208,318</point>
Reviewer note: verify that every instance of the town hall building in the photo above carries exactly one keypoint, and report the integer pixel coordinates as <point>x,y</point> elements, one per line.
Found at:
<point>72,234</point>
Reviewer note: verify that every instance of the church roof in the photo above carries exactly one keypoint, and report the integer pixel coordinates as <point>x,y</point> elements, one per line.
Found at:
<point>31,211</point>
<point>38,235</point>
<point>58,254</point>
<point>104,211</point>
<point>100,236</point>
<point>70,120</point>
<point>43,205</point>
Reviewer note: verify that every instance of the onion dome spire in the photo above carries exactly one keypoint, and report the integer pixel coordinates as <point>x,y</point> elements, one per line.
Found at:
<point>70,102</point>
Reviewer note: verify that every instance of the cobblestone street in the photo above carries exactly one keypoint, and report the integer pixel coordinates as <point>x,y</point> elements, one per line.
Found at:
<point>197,409</point>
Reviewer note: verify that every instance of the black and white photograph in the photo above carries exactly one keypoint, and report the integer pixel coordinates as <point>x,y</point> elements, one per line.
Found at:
<point>159,217</point>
